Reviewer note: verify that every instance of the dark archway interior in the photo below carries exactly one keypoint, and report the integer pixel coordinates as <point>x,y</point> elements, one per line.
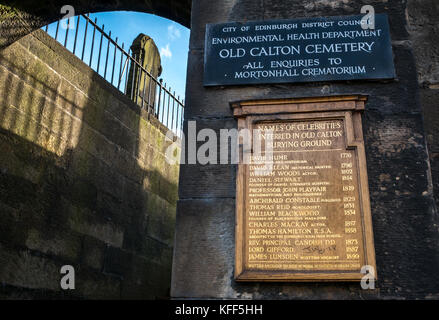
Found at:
<point>18,18</point>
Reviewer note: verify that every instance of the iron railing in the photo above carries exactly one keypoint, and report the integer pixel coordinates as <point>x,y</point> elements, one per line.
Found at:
<point>114,65</point>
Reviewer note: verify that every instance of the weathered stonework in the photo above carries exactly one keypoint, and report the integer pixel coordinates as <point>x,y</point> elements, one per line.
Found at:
<point>405,220</point>
<point>424,36</point>
<point>83,181</point>
<point>19,18</point>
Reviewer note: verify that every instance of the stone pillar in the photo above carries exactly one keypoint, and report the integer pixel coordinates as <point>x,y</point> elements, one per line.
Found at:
<point>403,213</point>
<point>141,88</point>
<point>425,38</point>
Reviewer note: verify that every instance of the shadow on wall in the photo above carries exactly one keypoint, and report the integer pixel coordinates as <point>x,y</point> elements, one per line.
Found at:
<point>83,182</point>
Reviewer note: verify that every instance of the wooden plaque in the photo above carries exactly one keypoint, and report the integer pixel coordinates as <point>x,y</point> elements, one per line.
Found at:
<point>305,214</point>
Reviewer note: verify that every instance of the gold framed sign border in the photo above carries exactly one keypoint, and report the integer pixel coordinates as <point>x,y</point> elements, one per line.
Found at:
<point>346,108</point>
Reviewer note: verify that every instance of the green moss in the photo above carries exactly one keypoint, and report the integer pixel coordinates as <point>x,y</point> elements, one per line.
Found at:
<point>60,243</point>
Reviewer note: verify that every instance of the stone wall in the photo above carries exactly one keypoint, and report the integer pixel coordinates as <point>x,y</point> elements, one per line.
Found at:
<point>405,222</point>
<point>424,30</point>
<point>19,18</point>
<point>83,181</point>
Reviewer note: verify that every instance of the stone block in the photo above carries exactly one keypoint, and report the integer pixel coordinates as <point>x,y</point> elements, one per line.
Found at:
<point>117,262</point>
<point>218,12</point>
<point>20,95</point>
<point>70,142</point>
<point>13,165</point>
<point>57,57</point>
<point>213,102</point>
<point>129,117</point>
<point>117,133</point>
<point>204,249</point>
<point>30,69</point>
<point>101,174</point>
<point>12,231</point>
<point>8,195</point>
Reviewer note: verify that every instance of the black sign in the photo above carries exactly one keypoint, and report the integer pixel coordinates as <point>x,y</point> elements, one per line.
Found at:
<point>300,50</point>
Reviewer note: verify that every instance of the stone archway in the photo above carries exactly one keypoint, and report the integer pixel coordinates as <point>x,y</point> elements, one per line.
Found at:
<point>76,109</point>
<point>19,18</point>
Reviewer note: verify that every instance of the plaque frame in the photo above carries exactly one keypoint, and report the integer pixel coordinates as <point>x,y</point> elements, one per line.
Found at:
<point>349,109</point>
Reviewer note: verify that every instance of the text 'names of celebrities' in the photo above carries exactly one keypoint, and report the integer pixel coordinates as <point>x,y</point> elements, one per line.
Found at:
<point>303,208</point>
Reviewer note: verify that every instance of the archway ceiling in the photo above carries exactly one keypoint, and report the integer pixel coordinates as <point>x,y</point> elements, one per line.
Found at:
<point>18,18</point>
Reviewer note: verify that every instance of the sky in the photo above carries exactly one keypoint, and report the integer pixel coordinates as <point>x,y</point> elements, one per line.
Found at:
<point>171,38</point>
